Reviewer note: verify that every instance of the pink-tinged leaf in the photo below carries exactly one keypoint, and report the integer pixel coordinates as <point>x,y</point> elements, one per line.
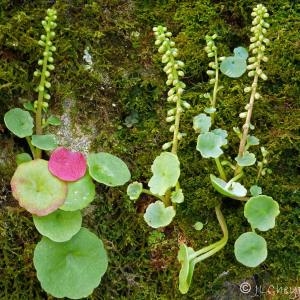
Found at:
<point>67,165</point>
<point>36,189</point>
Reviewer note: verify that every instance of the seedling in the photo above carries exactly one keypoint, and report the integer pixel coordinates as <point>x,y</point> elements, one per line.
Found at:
<point>164,184</point>
<point>260,210</point>
<point>69,259</point>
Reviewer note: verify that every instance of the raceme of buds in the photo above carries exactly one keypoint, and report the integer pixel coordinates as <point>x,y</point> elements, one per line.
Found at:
<point>173,69</point>
<point>258,41</point>
<point>45,41</point>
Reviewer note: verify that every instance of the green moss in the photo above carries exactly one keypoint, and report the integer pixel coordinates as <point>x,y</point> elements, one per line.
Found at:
<point>127,77</point>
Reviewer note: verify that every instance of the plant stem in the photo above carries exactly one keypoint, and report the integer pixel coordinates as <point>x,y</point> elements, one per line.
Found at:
<point>176,124</point>
<point>220,169</point>
<point>145,191</point>
<point>246,126</point>
<point>215,91</point>
<point>214,248</point>
<point>32,149</point>
<point>41,90</point>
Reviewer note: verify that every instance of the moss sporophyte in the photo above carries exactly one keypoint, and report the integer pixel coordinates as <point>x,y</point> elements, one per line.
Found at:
<point>56,191</point>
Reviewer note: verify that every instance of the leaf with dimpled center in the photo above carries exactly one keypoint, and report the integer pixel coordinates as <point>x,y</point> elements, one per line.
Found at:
<point>250,249</point>
<point>60,225</point>
<point>36,189</point>
<point>157,215</point>
<point>80,194</point>
<point>108,169</point>
<point>19,122</point>
<point>261,212</point>
<point>71,269</point>
<point>166,171</point>
<point>209,144</point>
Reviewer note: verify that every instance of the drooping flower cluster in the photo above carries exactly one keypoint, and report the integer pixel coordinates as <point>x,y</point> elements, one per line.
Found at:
<point>211,50</point>
<point>258,42</point>
<point>173,69</point>
<point>47,61</point>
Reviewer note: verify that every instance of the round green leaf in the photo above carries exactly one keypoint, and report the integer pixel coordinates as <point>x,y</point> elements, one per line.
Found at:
<point>252,140</point>
<point>222,133</point>
<point>255,190</point>
<point>250,249</point>
<point>157,215</point>
<point>23,157</point>
<point>166,171</point>
<point>36,189</point>
<point>241,52</point>
<point>261,212</point>
<point>187,268</point>
<point>209,145</point>
<point>45,142</point>
<point>134,190</point>
<point>198,226</point>
<point>80,194</point>
<point>19,122</point>
<point>177,196</point>
<point>108,169</point>
<point>54,121</point>
<point>233,66</point>
<point>201,123</point>
<point>71,269</point>
<point>248,159</point>
<point>60,225</point>
<point>235,190</point>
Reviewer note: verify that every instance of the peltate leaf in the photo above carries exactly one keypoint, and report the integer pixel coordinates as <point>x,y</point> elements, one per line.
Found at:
<point>261,212</point>
<point>250,249</point>
<point>157,215</point>
<point>134,190</point>
<point>201,123</point>
<point>19,122</point>
<point>80,194</point>
<point>241,52</point>
<point>233,66</point>
<point>36,189</point>
<point>209,145</point>
<point>45,142</point>
<point>234,190</point>
<point>71,269</point>
<point>177,196</point>
<point>248,159</point>
<point>166,171</point>
<point>108,169</point>
<point>60,225</point>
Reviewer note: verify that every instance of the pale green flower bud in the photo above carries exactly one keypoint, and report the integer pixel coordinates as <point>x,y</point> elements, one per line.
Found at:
<point>243,115</point>
<point>263,76</point>
<point>247,89</point>
<point>186,105</point>
<point>166,146</point>
<point>210,72</point>
<point>257,96</point>
<point>170,119</point>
